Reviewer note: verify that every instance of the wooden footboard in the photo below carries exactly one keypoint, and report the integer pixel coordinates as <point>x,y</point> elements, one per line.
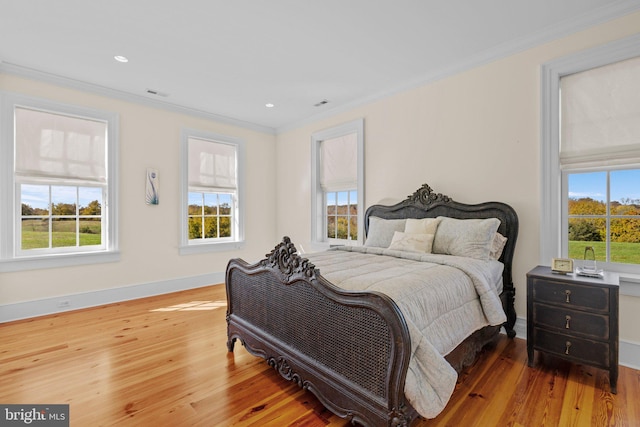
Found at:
<point>351,349</point>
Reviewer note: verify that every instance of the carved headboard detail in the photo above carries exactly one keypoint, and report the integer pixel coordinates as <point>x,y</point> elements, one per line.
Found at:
<point>425,203</point>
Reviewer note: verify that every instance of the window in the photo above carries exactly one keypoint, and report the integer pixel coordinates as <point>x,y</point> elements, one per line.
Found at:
<point>337,184</point>
<point>60,216</point>
<point>210,215</point>
<point>604,213</point>
<point>591,156</point>
<point>59,193</point>
<point>342,215</point>
<point>599,140</point>
<point>211,208</point>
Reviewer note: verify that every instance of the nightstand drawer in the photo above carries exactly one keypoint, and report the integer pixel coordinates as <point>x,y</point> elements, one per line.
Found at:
<point>571,295</point>
<point>581,350</point>
<point>571,322</point>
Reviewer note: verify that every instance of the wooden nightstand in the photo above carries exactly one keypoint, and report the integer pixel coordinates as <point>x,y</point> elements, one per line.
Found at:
<point>575,318</point>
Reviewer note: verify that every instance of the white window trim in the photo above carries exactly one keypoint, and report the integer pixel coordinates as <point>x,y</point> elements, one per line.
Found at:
<point>318,215</point>
<point>9,260</point>
<point>185,247</point>
<point>551,195</point>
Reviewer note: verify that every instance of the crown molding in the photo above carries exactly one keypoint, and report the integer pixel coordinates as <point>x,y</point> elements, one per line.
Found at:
<point>30,73</point>
<point>563,29</point>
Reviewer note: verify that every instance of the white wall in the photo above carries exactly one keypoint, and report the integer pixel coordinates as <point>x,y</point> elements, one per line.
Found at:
<point>149,235</point>
<point>474,136</point>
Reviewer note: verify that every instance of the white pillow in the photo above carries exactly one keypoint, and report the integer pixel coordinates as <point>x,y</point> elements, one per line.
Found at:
<point>471,238</point>
<point>422,226</point>
<point>497,246</point>
<point>381,231</point>
<point>411,242</point>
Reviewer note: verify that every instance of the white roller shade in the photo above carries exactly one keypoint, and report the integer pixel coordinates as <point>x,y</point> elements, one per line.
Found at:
<point>57,146</point>
<point>600,115</point>
<point>339,163</point>
<point>212,165</point>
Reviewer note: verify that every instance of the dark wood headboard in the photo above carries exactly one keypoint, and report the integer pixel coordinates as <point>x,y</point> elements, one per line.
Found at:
<point>425,203</point>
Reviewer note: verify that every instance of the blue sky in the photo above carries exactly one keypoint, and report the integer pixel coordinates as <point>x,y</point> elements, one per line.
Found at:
<point>37,196</point>
<point>343,198</point>
<point>625,184</point>
<point>209,199</point>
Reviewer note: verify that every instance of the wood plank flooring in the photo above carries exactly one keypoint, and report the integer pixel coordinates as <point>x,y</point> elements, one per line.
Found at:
<point>128,365</point>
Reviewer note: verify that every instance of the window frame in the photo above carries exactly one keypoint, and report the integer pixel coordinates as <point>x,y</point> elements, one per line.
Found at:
<point>554,195</point>
<point>348,216</point>
<point>202,215</point>
<point>12,259</point>
<point>189,246</point>
<point>77,216</point>
<point>318,197</point>
<point>607,217</point>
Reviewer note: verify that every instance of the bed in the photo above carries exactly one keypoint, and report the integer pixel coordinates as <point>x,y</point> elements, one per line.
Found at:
<point>354,348</point>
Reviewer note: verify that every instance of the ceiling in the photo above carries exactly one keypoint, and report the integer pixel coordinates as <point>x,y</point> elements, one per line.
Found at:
<point>227,59</point>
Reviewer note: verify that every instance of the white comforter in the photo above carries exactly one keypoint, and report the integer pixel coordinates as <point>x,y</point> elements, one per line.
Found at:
<point>443,299</point>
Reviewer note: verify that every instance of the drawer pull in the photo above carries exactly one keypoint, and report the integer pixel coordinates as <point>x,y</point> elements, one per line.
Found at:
<point>568,319</point>
<point>568,344</point>
<point>568,294</point>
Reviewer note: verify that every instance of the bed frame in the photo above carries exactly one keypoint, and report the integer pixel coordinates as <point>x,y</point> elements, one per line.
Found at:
<point>351,349</point>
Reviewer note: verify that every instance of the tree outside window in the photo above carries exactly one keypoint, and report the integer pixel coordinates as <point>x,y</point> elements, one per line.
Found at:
<point>210,215</point>
<point>604,212</point>
<point>342,215</point>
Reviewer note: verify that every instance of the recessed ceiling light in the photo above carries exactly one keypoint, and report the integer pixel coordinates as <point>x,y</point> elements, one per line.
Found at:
<point>121,58</point>
<point>269,105</point>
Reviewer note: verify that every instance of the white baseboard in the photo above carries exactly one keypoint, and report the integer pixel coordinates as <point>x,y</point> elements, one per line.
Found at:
<point>60,304</point>
<point>521,328</point>
<point>628,351</point>
<point>630,354</point>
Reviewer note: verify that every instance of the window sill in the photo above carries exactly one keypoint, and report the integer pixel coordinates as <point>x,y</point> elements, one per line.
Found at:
<point>211,247</point>
<point>630,284</point>
<point>57,260</point>
<point>332,243</point>
<point>628,274</point>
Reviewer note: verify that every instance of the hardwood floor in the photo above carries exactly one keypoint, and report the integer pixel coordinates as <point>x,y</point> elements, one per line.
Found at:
<point>128,365</point>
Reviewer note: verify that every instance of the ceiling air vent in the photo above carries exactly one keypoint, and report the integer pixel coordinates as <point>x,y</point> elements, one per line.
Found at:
<point>157,93</point>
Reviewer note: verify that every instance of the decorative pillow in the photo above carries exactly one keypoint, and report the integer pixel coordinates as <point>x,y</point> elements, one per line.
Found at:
<point>421,226</point>
<point>497,246</point>
<point>381,231</point>
<point>411,242</point>
<point>471,238</point>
